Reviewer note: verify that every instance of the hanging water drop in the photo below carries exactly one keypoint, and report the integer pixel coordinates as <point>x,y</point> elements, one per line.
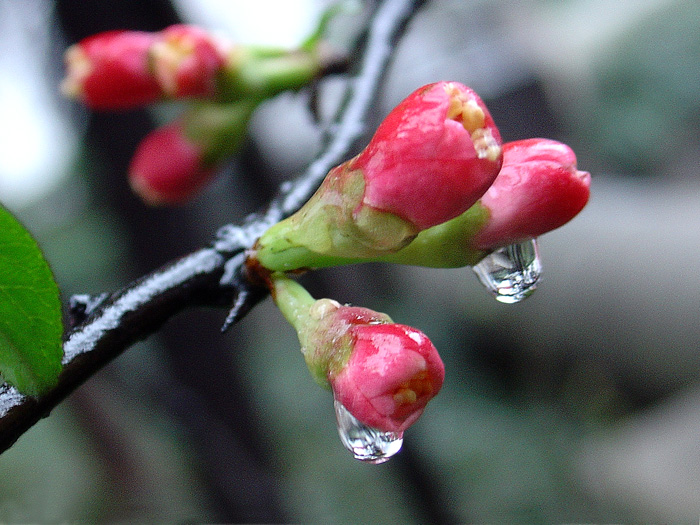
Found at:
<point>366,443</point>
<point>511,273</point>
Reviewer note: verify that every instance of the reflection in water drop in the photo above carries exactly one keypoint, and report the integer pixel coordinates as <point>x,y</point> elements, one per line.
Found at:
<point>511,273</point>
<point>366,443</point>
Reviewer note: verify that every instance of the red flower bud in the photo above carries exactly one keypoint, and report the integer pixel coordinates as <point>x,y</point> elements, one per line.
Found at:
<point>167,167</point>
<point>186,61</point>
<point>538,189</point>
<point>432,157</point>
<point>110,70</point>
<point>391,374</point>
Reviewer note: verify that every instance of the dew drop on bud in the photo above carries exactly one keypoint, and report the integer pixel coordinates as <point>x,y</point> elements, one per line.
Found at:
<point>366,443</point>
<point>511,273</point>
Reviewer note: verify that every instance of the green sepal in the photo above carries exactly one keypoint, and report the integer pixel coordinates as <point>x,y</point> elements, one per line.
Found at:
<point>331,227</point>
<point>219,129</point>
<point>307,316</point>
<point>258,73</point>
<point>446,245</point>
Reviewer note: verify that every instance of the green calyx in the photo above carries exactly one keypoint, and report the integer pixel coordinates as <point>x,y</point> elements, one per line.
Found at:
<point>259,73</point>
<point>219,129</point>
<point>325,347</point>
<point>251,75</point>
<point>446,245</point>
<point>332,226</point>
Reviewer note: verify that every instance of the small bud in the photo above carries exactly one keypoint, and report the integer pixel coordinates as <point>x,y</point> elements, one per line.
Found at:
<point>432,158</point>
<point>383,373</point>
<point>110,70</point>
<point>186,61</point>
<point>168,168</point>
<point>175,161</point>
<point>391,374</point>
<point>538,189</point>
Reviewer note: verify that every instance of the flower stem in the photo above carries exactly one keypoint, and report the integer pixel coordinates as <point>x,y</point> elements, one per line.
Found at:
<point>293,301</point>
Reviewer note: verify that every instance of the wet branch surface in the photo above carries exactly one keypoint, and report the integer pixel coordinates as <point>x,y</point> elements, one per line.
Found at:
<point>105,326</point>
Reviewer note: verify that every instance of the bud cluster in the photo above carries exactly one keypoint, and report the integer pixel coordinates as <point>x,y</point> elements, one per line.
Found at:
<point>436,187</point>
<point>220,83</point>
<point>128,69</point>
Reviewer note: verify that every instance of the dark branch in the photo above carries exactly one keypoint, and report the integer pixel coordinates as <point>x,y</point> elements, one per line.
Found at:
<point>107,325</point>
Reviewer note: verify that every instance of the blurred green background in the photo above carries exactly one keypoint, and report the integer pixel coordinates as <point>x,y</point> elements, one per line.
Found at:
<point>581,404</point>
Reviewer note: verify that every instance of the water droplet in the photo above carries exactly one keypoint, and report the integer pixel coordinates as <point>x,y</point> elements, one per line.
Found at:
<point>511,273</point>
<point>366,443</point>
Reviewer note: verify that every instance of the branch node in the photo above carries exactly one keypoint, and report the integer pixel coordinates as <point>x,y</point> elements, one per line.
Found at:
<point>80,306</point>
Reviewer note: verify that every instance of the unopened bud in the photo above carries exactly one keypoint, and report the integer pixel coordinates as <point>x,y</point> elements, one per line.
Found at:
<point>110,70</point>
<point>168,168</point>
<point>383,373</point>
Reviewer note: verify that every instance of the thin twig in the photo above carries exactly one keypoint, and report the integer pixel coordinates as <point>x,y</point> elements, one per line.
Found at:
<point>211,276</point>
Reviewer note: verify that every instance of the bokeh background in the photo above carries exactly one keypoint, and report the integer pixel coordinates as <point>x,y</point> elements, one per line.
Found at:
<point>581,404</point>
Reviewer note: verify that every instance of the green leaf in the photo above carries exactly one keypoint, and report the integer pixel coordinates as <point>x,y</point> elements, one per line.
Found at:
<point>30,312</point>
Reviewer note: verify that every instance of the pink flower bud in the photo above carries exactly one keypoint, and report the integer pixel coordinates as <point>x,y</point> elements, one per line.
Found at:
<point>381,372</point>
<point>110,70</point>
<point>186,61</point>
<point>168,168</point>
<point>391,374</point>
<point>432,157</point>
<point>537,190</point>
